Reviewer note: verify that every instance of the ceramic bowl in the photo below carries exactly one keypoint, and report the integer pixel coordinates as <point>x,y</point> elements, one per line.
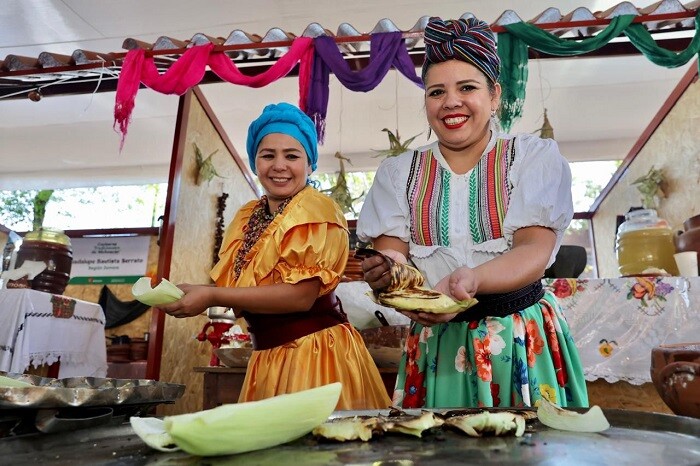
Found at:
<point>234,357</point>
<point>675,372</point>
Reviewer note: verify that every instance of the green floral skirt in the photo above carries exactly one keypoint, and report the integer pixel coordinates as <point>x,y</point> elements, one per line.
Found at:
<point>509,362</point>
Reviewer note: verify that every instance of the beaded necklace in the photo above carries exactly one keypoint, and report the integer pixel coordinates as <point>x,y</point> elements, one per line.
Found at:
<point>259,220</point>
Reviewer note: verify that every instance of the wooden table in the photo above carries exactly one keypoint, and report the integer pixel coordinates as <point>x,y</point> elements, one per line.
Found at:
<point>223,384</point>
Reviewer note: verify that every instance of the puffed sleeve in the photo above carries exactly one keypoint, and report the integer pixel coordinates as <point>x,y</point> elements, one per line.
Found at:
<point>541,194</point>
<point>385,210</point>
<point>314,250</point>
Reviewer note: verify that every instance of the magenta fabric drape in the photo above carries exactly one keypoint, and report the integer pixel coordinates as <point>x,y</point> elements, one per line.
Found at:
<point>189,70</point>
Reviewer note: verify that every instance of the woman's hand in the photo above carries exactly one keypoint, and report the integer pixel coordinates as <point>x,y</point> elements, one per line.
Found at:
<point>196,300</point>
<point>460,284</point>
<point>376,269</point>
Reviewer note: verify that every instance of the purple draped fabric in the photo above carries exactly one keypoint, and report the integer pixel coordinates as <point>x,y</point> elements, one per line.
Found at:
<point>387,49</point>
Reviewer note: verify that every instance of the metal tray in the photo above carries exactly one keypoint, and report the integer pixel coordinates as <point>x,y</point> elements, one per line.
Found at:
<point>635,438</point>
<point>85,392</point>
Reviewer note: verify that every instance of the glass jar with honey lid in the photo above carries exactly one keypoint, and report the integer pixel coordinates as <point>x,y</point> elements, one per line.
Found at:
<point>645,244</point>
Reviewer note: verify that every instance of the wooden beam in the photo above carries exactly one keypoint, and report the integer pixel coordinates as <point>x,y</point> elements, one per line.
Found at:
<point>13,89</point>
<point>167,234</point>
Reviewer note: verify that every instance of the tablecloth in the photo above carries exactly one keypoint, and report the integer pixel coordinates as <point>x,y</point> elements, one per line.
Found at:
<point>41,328</point>
<point>616,322</point>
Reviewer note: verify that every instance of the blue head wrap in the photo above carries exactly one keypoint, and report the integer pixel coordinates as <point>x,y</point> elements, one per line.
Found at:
<point>285,119</point>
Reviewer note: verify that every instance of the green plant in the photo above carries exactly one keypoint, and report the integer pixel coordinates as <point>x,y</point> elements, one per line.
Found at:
<point>396,147</point>
<point>340,192</point>
<point>205,166</point>
<point>650,186</point>
<point>39,207</point>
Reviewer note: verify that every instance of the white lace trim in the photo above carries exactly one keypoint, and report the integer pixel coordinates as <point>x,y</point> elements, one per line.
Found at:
<point>498,245</point>
<point>592,377</point>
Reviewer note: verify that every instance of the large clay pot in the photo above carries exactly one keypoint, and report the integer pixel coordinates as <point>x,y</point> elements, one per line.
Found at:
<point>689,240</point>
<point>675,372</point>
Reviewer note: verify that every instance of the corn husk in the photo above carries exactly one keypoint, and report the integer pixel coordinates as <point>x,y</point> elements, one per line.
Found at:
<point>404,277</point>
<point>8,382</point>
<point>164,293</point>
<point>499,424</point>
<point>558,418</point>
<point>423,299</point>
<point>407,293</point>
<point>345,429</point>
<point>243,427</point>
<point>412,425</point>
<point>152,431</point>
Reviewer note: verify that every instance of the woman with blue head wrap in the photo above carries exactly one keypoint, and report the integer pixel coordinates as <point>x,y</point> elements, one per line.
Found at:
<point>280,261</point>
<point>481,214</point>
<point>287,119</point>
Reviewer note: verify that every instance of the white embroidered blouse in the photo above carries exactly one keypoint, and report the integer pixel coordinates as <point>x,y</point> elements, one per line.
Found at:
<point>539,193</point>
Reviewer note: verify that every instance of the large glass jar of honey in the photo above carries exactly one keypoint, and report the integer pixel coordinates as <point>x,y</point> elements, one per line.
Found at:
<point>53,248</point>
<point>645,242</point>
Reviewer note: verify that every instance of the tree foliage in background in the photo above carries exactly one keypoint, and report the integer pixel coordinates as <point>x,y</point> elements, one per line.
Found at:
<point>17,208</point>
<point>86,208</point>
<point>25,209</point>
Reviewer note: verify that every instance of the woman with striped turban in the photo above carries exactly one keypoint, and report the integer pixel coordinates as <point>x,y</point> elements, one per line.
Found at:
<point>280,261</point>
<point>481,214</point>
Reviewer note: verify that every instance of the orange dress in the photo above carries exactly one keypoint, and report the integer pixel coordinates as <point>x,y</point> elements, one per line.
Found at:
<point>309,239</point>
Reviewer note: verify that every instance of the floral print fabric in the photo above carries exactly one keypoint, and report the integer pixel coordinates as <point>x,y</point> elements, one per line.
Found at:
<point>511,361</point>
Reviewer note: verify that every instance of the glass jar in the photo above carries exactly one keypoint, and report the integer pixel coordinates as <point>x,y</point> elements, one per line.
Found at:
<point>53,248</point>
<point>645,241</point>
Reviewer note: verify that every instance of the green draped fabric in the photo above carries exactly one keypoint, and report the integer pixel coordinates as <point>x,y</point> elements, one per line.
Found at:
<point>513,45</point>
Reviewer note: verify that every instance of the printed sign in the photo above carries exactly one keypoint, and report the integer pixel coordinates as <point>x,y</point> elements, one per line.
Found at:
<point>105,260</point>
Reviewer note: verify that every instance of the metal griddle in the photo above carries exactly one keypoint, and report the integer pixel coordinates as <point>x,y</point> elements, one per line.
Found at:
<point>636,438</point>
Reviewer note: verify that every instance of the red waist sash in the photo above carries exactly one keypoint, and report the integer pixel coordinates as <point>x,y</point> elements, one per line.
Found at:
<point>270,330</point>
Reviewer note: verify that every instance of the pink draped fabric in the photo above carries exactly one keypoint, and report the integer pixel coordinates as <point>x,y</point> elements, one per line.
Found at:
<point>189,70</point>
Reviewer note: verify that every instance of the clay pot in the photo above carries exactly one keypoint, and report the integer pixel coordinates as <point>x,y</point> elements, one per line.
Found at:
<point>689,240</point>
<point>675,372</point>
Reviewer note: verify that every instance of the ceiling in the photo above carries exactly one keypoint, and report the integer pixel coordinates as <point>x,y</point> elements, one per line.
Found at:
<point>597,106</point>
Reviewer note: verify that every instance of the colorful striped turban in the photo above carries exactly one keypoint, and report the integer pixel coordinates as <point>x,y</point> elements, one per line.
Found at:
<point>286,119</point>
<point>470,40</point>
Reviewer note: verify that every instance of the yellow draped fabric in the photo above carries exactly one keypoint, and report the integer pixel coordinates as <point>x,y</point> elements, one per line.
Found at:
<point>309,239</point>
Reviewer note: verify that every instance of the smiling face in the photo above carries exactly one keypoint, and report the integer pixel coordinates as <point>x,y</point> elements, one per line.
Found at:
<point>458,105</point>
<point>282,167</point>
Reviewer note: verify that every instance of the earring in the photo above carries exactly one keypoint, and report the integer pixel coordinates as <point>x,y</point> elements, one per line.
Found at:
<point>493,113</point>
<point>430,132</point>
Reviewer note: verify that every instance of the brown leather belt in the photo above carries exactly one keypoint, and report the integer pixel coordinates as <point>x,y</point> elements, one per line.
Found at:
<point>502,304</point>
<point>271,330</point>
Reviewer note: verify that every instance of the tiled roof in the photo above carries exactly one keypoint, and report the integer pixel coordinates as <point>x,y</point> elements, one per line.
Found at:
<point>19,74</point>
